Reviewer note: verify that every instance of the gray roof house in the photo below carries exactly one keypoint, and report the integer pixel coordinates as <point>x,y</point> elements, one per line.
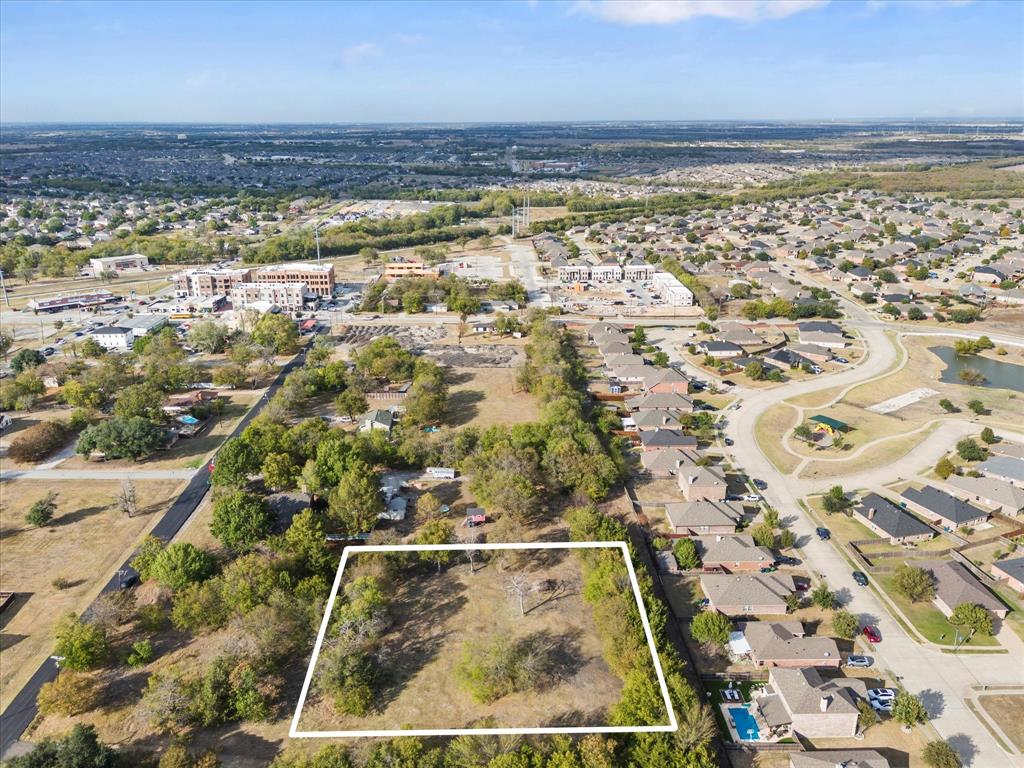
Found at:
<point>830,758</point>
<point>891,522</point>
<point>1010,571</point>
<point>946,510</point>
<point>1005,468</point>
<point>693,518</point>
<point>801,702</point>
<point>659,401</point>
<point>655,420</point>
<point>666,438</point>
<point>732,553</point>
<point>998,494</point>
<point>667,461</point>
<point>785,644</point>
<point>748,594</point>
<point>954,584</point>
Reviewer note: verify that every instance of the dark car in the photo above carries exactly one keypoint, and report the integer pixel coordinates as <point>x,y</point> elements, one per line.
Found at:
<point>728,441</point>
<point>729,382</point>
<point>861,578</point>
<point>823,533</point>
<point>872,634</point>
<point>760,484</point>
<point>786,560</point>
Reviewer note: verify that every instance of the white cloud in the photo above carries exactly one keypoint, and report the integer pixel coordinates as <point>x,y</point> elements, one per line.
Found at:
<point>672,11</point>
<point>356,53</point>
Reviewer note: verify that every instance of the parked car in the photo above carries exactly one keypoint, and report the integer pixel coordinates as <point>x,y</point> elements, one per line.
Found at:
<point>728,441</point>
<point>882,694</point>
<point>759,484</point>
<point>861,578</point>
<point>47,351</point>
<point>786,560</point>
<point>823,533</point>
<point>859,661</point>
<point>880,705</point>
<point>871,632</point>
<point>842,360</point>
<point>751,497</point>
<point>729,382</point>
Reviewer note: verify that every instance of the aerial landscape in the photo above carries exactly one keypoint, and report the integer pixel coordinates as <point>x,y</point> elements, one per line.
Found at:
<point>512,385</point>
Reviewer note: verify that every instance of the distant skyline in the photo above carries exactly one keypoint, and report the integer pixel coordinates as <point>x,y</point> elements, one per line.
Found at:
<point>446,62</point>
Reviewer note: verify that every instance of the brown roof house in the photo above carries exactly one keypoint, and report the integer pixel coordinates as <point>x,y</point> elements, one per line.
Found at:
<point>694,518</point>
<point>702,483</point>
<point>801,702</point>
<point>732,553</point>
<point>998,494</point>
<point>748,594</point>
<point>657,439</point>
<point>659,401</point>
<point>954,584</point>
<point>645,420</point>
<point>831,758</point>
<point>667,461</point>
<point>784,644</point>
<point>665,381</point>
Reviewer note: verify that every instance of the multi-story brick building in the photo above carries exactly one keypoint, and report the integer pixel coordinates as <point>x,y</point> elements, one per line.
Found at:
<point>206,283</point>
<point>319,278</point>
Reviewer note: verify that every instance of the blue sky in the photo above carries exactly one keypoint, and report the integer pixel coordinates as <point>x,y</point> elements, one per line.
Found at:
<point>509,61</point>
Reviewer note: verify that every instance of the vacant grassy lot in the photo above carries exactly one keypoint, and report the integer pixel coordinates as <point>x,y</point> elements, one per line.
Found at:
<point>434,614</point>
<point>879,455</point>
<point>85,542</point>
<point>1008,711</point>
<point>187,453</point>
<point>777,420</point>
<point>483,397</point>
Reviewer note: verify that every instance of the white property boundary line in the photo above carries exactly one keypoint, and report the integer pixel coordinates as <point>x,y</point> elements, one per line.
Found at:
<point>294,731</point>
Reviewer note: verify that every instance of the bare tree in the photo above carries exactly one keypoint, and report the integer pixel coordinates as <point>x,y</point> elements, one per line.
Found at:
<point>127,499</point>
<point>471,537</point>
<point>519,586</point>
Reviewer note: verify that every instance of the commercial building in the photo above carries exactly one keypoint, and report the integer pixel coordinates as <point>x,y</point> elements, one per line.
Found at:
<point>114,337</point>
<point>287,296</point>
<point>207,283</point>
<point>131,262</point>
<point>396,270</point>
<point>72,301</point>
<point>318,278</point>
<point>672,292</point>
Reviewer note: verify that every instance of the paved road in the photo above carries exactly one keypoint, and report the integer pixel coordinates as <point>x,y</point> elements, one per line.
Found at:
<point>22,709</point>
<point>942,680</point>
<point>99,474</point>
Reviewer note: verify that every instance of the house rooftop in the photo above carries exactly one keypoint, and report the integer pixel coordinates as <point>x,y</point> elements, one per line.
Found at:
<point>895,521</point>
<point>944,505</point>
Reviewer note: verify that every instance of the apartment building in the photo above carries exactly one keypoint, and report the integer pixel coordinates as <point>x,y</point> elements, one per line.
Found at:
<point>287,296</point>
<point>673,292</point>
<point>318,278</point>
<point>207,283</point>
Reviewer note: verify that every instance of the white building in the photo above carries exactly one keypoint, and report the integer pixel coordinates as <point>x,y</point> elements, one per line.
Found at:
<point>131,263</point>
<point>114,337</point>
<point>639,271</point>
<point>574,273</point>
<point>287,296</point>
<point>673,292</point>
<point>606,273</point>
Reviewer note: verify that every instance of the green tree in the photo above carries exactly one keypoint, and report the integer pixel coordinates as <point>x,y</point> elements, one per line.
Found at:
<point>866,715</point>
<point>835,500</point>
<point>908,709</point>
<point>306,541</point>
<point>6,342</point>
<point>234,462</point>
<point>26,358</point>
<point>988,436</point>
<point>972,377</point>
<point>437,531</point>
<point>280,471</point>
<point>80,748</point>
<point>938,754</point>
<point>240,520</point>
<point>133,438</point>
<point>915,584</point>
<point>685,551</point>
<point>711,628</point>
<point>140,400</point>
<point>763,535</point>
<point>823,597</point>
<point>71,693</point>
<point>844,624</point>
<point>180,564</point>
<point>948,406</point>
<point>944,467</point>
<point>973,617</point>
<point>42,510</point>
<point>351,402</point>
<point>976,406</point>
<point>355,504</point>
<point>209,336</point>
<point>278,332</point>
<point>81,645</point>
<point>968,450</point>
<point>755,370</point>
<point>803,432</point>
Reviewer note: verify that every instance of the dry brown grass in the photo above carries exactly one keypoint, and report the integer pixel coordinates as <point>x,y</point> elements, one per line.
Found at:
<point>86,541</point>
<point>777,420</point>
<point>483,397</point>
<point>436,613</point>
<point>1008,711</point>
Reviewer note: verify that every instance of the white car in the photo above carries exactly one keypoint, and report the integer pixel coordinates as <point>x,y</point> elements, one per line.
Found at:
<point>882,694</point>
<point>881,705</point>
<point>751,497</point>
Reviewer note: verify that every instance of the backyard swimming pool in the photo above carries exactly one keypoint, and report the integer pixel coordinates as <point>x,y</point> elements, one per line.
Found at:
<point>746,725</point>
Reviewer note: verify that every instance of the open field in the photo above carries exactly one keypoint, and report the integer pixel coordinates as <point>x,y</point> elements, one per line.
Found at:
<point>433,615</point>
<point>1008,711</point>
<point>482,397</point>
<point>83,545</point>
<point>776,421</point>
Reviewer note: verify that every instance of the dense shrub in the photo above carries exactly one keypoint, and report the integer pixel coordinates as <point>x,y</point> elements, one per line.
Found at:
<point>38,441</point>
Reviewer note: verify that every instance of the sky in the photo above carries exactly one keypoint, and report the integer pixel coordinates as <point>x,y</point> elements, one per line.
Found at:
<point>580,60</point>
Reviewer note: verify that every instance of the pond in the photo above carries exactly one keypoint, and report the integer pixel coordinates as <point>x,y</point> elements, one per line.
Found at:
<point>997,373</point>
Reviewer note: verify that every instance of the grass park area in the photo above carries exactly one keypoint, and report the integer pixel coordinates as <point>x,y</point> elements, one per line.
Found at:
<point>774,422</point>
<point>432,618</point>
<point>1008,711</point>
<point>62,566</point>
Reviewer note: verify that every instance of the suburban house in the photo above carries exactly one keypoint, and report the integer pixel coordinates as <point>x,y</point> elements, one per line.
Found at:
<point>701,483</point>
<point>619,360</point>
<point>377,419</point>
<point>720,350</point>
<point>732,553</point>
<point>654,420</point>
<point>998,494</point>
<point>1012,572</point>
<point>695,518</point>
<point>831,758</point>
<point>783,644</point>
<point>661,401</point>
<point>1006,468</point>
<point>891,522</point>
<point>748,594</point>
<point>813,352</point>
<point>945,510</point>
<point>114,337</point>
<point>667,461</point>
<point>821,334</point>
<point>1004,448</point>
<point>801,702</point>
<point>655,439</point>
<point>954,584</point>
<point>666,381</point>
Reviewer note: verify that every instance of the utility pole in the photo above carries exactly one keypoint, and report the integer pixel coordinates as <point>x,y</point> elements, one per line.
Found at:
<point>316,234</point>
<point>3,287</point>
